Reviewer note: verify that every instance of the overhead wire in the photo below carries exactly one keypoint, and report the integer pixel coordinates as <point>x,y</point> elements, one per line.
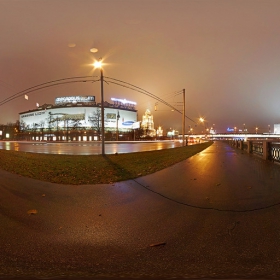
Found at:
<point>26,92</point>
<point>85,79</point>
<point>152,95</point>
<point>40,86</point>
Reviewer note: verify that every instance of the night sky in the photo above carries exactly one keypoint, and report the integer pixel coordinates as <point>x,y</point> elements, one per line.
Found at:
<point>224,53</point>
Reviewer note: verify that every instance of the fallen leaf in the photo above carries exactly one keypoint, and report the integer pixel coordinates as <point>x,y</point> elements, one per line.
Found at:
<point>158,244</point>
<point>32,212</point>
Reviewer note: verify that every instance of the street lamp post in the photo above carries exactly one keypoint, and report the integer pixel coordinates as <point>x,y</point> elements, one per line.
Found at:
<point>184,119</point>
<point>98,64</point>
<point>118,117</point>
<point>102,112</point>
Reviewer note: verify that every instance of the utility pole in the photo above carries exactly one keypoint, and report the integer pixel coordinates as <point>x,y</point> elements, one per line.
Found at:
<point>184,119</point>
<point>118,117</point>
<point>102,113</point>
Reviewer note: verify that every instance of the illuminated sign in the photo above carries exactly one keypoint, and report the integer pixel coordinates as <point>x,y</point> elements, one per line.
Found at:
<point>128,123</point>
<point>34,114</point>
<point>123,101</point>
<point>230,129</point>
<point>74,99</point>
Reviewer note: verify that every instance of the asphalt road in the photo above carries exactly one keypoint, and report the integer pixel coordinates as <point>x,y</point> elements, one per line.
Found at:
<point>215,215</point>
<point>88,148</point>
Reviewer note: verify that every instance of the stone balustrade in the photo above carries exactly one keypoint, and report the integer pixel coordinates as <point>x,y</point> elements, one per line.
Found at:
<point>266,149</point>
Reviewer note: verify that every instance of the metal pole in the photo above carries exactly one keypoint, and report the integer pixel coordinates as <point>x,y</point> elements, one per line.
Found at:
<point>102,113</point>
<point>118,117</point>
<point>184,119</point>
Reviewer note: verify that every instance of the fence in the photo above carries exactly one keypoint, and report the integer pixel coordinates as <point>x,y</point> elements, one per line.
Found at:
<point>267,149</point>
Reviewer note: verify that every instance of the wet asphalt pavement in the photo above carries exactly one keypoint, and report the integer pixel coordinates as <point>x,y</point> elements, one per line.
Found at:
<point>88,148</point>
<point>214,215</point>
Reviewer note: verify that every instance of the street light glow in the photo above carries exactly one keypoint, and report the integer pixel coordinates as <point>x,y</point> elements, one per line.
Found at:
<point>98,64</point>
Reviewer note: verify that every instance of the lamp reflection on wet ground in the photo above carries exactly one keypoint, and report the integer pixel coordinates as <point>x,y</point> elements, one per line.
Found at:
<point>87,148</point>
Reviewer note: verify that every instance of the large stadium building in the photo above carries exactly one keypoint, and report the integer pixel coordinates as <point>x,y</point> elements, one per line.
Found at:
<point>78,118</point>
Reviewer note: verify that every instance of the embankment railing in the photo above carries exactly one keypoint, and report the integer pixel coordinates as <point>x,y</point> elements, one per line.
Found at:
<point>266,149</point>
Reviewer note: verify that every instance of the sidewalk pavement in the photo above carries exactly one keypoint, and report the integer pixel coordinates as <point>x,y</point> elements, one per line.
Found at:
<point>213,215</point>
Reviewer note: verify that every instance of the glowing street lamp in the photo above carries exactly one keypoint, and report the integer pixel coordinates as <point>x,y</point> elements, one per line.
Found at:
<point>257,130</point>
<point>98,64</point>
<point>202,120</point>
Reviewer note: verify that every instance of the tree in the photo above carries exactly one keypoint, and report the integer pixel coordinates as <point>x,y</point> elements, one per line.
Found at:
<point>22,125</point>
<point>50,121</point>
<point>95,120</point>
<point>76,124</point>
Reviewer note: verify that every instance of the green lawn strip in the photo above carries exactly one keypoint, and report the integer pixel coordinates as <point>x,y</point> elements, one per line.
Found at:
<point>93,169</point>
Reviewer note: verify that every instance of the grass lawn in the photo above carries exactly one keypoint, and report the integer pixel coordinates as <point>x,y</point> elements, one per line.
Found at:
<point>93,169</point>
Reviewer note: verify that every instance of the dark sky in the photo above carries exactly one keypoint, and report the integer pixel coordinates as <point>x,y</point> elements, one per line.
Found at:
<point>225,53</point>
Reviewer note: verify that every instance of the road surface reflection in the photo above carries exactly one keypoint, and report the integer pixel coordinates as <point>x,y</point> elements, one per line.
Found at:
<point>87,148</point>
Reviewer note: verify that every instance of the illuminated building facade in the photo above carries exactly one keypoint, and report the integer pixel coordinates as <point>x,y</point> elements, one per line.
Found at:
<point>147,124</point>
<point>159,132</point>
<point>78,118</point>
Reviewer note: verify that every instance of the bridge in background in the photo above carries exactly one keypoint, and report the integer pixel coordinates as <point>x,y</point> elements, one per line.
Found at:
<point>241,136</point>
